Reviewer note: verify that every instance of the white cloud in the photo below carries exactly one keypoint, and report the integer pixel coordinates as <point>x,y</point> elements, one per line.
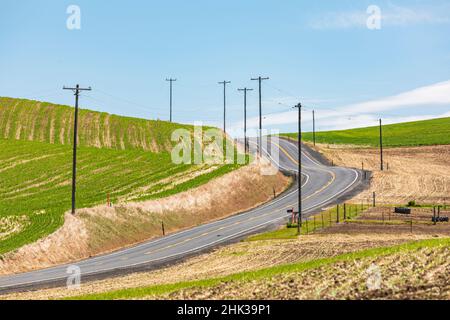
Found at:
<point>367,113</point>
<point>391,15</point>
<point>436,94</point>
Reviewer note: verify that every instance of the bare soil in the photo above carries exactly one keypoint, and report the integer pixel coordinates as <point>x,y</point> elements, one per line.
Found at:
<point>419,173</point>
<point>422,275</point>
<point>244,256</point>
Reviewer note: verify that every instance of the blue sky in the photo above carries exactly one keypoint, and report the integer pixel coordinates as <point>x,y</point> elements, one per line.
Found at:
<point>317,52</point>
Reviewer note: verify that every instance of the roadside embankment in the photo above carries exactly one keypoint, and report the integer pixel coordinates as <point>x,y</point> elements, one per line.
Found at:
<point>104,229</point>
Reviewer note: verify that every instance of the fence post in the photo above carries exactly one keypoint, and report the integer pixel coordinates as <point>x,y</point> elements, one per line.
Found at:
<point>337,214</point>
<point>411,224</point>
<point>329,216</point>
<point>345,212</point>
<point>163,229</point>
<point>374,199</point>
<point>323,225</point>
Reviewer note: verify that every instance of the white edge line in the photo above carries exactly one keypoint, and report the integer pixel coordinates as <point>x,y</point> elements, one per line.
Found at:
<point>194,249</point>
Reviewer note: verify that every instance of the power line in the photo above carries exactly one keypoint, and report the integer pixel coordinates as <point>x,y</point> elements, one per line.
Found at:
<point>140,106</point>
<point>77,91</point>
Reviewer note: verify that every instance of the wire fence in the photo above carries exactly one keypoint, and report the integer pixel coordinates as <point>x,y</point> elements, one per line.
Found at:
<point>328,218</point>
<point>372,215</point>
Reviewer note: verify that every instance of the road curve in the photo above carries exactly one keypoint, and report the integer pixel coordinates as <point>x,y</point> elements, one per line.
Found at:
<point>322,186</point>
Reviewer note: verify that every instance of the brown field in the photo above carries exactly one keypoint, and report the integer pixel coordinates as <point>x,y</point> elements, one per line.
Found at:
<point>384,220</point>
<point>421,174</point>
<point>255,255</point>
<point>423,275</point>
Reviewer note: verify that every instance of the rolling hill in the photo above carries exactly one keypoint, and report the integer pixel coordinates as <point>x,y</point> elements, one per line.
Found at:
<point>30,120</point>
<point>127,158</point>
<point>418,133</point>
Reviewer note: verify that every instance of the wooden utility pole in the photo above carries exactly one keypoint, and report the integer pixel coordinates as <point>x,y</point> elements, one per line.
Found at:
<point>77,91</point>
<point>225,105</point>
<point>314,127</point>
<point>245,90</point>
<point>381,146</point>
<point>260,80</point>
<point>171,90</point>
<point>299,107</point>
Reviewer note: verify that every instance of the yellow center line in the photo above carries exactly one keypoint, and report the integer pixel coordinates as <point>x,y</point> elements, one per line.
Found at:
<point>333,175</point>
<point>252,218</point>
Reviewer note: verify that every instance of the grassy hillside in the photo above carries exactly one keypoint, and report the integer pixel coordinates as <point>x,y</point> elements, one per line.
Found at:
<point>45,122</point>
<point>124,157</point>
<point>419,133</point>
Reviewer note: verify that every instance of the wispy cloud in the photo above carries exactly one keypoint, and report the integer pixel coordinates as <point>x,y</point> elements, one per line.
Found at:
<point>366,113</point>
<point>391,15</point>
<point>436,94</point>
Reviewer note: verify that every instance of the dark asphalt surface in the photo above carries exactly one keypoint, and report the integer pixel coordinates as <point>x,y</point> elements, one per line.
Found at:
<point>322,185</point>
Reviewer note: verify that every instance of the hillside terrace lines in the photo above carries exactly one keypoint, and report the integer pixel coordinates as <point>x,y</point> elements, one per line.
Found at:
<point>107,167</point>
<point>35,175</point>
<point>46,122</point>
<point>7,123</point>
<point>37,184</point>
<point>152,178</point>
<point>21,162</point>
<point>168,183</point>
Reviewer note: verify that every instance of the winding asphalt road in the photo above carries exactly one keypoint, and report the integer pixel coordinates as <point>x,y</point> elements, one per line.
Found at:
<point>322,185</point>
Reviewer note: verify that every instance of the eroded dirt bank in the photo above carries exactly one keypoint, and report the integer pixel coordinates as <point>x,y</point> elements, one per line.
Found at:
<point>102,229</point>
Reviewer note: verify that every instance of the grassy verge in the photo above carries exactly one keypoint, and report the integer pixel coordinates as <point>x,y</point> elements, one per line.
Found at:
<point>264,273</point>
<point>314,223</point>
<point>281,234</point>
